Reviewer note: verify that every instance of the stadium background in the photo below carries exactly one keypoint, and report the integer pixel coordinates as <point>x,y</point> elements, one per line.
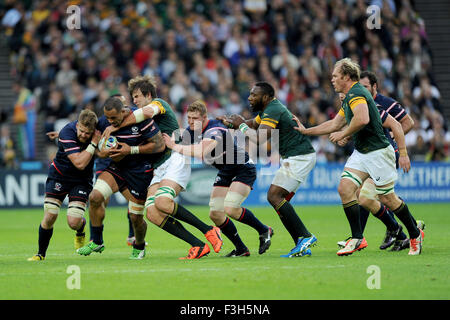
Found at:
<point>215,50</point>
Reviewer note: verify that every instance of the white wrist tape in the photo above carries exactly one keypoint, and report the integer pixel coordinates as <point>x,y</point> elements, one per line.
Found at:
<point>139,115</point>
<point>91,149</point>
<point>243,127</point>
<point>155,109</point>
<point>134,150</point>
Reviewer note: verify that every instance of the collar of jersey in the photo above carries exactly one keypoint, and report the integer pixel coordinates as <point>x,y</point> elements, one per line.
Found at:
<point>203,130</point>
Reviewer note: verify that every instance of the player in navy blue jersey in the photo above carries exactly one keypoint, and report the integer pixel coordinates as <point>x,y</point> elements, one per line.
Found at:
<point>129,173</point>
<point>211,141</point>
<point>70,173</point>
<point>100,165</point>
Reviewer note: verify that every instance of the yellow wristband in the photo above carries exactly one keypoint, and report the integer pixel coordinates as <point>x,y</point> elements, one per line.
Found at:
<point>403,152</point>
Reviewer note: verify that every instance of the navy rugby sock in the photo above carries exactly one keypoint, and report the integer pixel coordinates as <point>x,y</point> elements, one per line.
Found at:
<point>229,229</point>
<point>363,216</point>
<point>249,219</point>
<point>97,234</point>
<point>44,239</point>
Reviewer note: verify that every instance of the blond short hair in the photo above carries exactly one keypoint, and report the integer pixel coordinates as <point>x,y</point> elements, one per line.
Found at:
<point>198,106</point>
<point>88,119</point>
<point>349,68</point>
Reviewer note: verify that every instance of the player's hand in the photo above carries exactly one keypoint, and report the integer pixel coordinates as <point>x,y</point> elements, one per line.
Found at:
<point>343,142</point>
<point>120,151</point>
<point>225,120</point>
<point>236,120</point>
<point>170,143</point>
<point>300,127</point>
<point>108,131</point>
<point>52,135</point>
<point>96,136</point>
<point>335,137</point>
<point>404,163</point>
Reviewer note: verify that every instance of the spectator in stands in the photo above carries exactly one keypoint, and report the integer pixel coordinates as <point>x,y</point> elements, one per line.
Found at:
<point>216,51</point>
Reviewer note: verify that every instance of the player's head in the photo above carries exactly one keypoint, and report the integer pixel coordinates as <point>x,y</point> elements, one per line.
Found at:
<point>197,115</point>
<point>369,81</point>
<point>142,90</point>
<point>121,97</point>
<point>345,73</point>
<point>87,121</point>
<point>114,111</point>
<point>260,95</point>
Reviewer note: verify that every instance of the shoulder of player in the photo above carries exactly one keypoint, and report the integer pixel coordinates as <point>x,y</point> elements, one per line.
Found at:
<point>387,102</point>
<point>68,132</point>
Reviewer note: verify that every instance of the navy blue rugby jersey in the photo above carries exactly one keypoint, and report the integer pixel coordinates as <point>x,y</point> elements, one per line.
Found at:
<point>61,166</point>
<point>227,152</point>
<point>393,108</point>
<point>133,135</point>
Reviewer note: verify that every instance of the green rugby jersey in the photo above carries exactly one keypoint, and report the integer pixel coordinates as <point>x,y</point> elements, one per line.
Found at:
<point>292,142</point>
<point>167,123</point>
<point>371,137</point>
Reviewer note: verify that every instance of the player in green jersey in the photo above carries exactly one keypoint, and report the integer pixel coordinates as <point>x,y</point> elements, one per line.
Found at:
<point>297,159</point>
<point>373,156</point>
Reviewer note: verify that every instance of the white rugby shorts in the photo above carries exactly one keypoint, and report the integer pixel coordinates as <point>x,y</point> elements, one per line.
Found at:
<point>379,164</point>
<point>293,171</point>
<point>176,169</point>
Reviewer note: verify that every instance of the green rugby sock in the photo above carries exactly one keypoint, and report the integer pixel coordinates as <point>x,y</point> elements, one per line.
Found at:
<point>176,229</point>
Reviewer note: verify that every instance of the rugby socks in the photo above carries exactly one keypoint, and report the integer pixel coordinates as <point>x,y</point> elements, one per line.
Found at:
<point>176,229</point>
<point>229,229</point>
<point>44,239</point>
<point>80,232</point>
<point>97,234</point>
<point>407,219</point>
<point>386,218</point>
<point>247,217</point>
<point>291,221</point>
<point>181,213</point>
<point>130,226</point>
<point>351,210</point>
<point>363,216</point>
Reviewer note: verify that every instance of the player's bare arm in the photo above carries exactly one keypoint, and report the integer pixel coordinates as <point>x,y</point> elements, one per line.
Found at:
<point>81,159</point>
<point>326,127</point>
<point>396,128</point>
<point>198,150</point>
<point>407,123</point>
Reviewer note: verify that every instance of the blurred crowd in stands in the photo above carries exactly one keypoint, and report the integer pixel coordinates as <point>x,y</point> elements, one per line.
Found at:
<point>215,50</point>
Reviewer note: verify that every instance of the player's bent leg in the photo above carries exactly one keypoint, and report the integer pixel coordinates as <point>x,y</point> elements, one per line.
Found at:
<point>351,180</point>
<point>236,195</point>
<point>77,222</point>
<point>218,216</point>
<point>51,211</point>
<point>401,210</point>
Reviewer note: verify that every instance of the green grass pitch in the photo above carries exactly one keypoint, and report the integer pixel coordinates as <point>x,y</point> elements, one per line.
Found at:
<point>162,276</point>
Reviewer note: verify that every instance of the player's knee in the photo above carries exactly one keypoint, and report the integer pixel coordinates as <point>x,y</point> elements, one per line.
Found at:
<point>96,199</point>
<point>346,191</point>
<point>274,198</point>
<point>234,213</point>
<point>74,223</point>
<point>164,204</point>
<point>216,216</point>
<point>164,199</point>
<point>49,220</point>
